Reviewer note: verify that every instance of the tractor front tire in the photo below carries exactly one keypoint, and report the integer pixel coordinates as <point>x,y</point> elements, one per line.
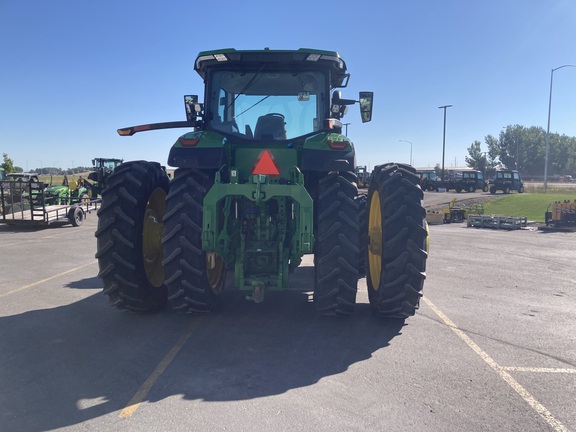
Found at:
<point>129,236</point>
<point>397,241</point>
<point>195,279</point>
<point>336,250</point>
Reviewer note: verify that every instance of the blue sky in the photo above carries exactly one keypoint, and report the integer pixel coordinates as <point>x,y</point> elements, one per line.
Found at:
<point>73,72</point>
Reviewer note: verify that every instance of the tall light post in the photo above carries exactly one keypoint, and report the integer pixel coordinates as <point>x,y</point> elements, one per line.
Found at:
<point>410,149</point>
<point>41,166</point>
<point>346,124</point>
<point>548,128</point>
<point>444,138</point>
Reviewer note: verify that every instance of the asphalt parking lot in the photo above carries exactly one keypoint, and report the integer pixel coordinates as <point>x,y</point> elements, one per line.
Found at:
<point>493,346</point>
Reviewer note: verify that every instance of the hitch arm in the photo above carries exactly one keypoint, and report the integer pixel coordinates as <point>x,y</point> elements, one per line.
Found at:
<point>129,131</point>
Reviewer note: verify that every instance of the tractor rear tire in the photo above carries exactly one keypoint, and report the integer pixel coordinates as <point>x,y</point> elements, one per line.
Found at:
<point>129,236</point>
<point>363,245</point>
<point>195,279</point>
<point>397,241</point>
<point>336,250</point>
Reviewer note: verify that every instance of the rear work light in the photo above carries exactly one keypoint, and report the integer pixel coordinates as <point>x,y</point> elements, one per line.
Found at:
<point>338,145</point>
<point>188,142</point>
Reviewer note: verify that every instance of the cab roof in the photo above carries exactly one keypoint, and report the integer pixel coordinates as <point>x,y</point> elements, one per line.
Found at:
<point>255,59</point>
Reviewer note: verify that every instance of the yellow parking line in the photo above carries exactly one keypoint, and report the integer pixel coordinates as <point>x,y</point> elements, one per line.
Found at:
<point>6,294</point>
<point>538,370</point>
<point>145,388</point>
<point>524,394</point>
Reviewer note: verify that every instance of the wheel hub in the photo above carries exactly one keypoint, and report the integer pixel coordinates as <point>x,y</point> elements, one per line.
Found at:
<point>152,250</point>
<point>375,240</point>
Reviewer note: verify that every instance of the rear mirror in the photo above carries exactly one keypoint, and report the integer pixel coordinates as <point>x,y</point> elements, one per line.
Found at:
<point>366,100</point>
<point>192,107</point>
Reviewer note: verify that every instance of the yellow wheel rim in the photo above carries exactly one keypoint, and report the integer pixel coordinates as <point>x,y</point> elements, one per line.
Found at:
<point>427,237</point>
<point>152,250</point>
<point>215,271</point>
<point>375,241</point>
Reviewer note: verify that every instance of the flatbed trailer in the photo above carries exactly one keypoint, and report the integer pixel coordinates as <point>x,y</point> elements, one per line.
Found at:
<point>24,204</point>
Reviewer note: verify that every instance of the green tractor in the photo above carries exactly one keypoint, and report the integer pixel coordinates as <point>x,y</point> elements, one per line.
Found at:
<point>103,169</point>
<point>363,176</point>
<point>69,192</point>
<point>72,192</point>
<point>264,177</point>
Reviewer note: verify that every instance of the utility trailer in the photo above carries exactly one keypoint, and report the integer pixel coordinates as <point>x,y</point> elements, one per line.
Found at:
<point>24,203</point>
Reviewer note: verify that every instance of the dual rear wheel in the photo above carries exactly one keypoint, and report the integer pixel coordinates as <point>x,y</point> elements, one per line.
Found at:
<point>149,241</point>
<point>397,241</point>
<point>384,237</point>
<point>149,229</point>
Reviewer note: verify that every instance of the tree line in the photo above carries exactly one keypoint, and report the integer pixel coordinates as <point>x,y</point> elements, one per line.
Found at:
<point>524,149</point>
<point>9,167</point>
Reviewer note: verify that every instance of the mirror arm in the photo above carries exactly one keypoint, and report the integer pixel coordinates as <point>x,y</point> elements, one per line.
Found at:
<point>129,131</point>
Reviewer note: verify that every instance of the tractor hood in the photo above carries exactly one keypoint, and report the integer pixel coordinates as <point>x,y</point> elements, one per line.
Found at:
<point>55,190</point>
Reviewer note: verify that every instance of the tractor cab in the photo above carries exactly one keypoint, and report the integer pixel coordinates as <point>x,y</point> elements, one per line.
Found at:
<point>279,105</point>
<point>274,95</point>
<point>103,168</point>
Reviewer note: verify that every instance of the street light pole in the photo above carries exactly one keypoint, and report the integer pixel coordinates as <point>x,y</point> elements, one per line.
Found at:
<point>410,149</point>
<point>346,124</point>
<point>444,138</point>
<point>548,128</point>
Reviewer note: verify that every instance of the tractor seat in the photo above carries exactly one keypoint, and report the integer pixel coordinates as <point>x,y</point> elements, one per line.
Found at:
<point>73,185</point>
<point>270,126</point>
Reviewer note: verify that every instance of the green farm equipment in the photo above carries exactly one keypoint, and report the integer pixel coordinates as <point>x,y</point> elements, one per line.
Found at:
<point>69,192</point>
<point>264,177</point>
<point>81,190</point>
<point>507,181</point>
<point>363,176</point>
<point>103,169</point>
<point>428,179</point>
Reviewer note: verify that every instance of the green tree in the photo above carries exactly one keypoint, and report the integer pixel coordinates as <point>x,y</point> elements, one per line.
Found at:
<point>477,158</point>
<point>8,164</point>
<point>524,149</point>
<point>493,151</point>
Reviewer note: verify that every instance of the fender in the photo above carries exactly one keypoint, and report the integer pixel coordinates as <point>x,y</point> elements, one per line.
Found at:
<point>328,152</point>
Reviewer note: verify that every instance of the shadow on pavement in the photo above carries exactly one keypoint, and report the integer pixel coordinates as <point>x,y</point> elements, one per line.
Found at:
<point>69,364</point>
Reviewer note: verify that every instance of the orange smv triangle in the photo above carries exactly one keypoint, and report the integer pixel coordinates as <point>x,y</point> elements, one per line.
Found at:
<point>266,164</point>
